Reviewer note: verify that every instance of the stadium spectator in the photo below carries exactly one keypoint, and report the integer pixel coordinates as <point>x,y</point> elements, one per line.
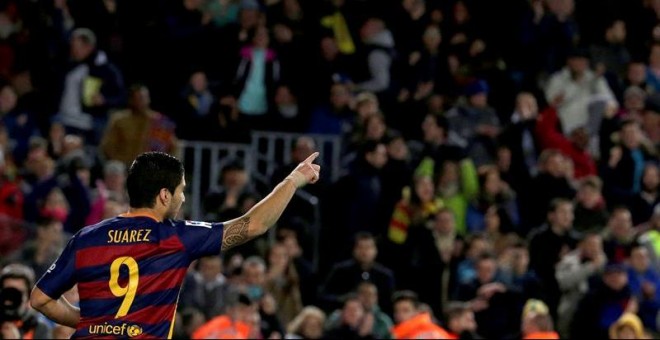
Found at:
<point>474,125</point>
<point>257,78</point>
<point>354,323</point>
<point>367,292</point>
<point>196,101</point>
<point>642,204</point>
<point>538,326</point>
<point>548,243</point>
<point>519,135</point>
<point>494,192</point>
<point>643,280</point>
<point>21,124</point>
<point>308,324</point>
<point>619,235</point>
<point>283,282</point>
<point>411,321</point>
<point>138,129</point>
<point>573,273</point>
<point>628,326</point>
<point>591,213</point>
<point>91,86</point>
<point>233,193</point>
<point>573,88</point>
<point>206,289</point>
<point>553,181</point>
<point>623,164</point>
<point>575,147</point>
<point>346,275</point>
<point>490,298</point>
<point>335,117</point>
<point>238,323</point>
<point>436,250</point>
<point>461,323</point>
<point>41,252</point>
<point>18,319</point>
<point>604,304</point>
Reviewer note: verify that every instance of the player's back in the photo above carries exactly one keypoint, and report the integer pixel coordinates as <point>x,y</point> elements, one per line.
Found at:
<point>129,271</point>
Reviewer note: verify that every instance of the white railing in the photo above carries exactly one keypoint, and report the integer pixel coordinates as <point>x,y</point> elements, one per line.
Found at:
<point>267,151</point>
<point>273,149</point>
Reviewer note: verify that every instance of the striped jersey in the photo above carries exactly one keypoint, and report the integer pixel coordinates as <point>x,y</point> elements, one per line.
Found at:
<point>129,271</point>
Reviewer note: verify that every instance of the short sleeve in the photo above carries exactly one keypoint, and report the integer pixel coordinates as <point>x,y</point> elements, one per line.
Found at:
<point>60,277</point>
<point>200,238</point>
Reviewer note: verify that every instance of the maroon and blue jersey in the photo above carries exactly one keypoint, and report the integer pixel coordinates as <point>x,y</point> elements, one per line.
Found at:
<point>129,271</point>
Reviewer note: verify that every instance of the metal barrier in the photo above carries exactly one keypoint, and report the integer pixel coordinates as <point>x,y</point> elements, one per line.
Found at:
<point>204,161</point>
<point>271,147</point>
<point>267,151</point>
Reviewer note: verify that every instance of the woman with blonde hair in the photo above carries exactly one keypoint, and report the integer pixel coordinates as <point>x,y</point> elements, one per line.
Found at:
<point>308,324</point>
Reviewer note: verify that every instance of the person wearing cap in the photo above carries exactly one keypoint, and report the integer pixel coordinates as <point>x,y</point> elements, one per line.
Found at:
<point>604,304</point>
<point>574,87</point>
<point>644,282</point>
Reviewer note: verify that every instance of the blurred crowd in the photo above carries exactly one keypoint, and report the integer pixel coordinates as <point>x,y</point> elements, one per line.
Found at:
<point>500,159</point>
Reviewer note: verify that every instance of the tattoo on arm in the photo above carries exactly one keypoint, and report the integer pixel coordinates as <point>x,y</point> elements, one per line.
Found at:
<point>236,233</point>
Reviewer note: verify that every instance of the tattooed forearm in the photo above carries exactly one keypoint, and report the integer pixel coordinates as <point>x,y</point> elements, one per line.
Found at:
<point>236,233</point>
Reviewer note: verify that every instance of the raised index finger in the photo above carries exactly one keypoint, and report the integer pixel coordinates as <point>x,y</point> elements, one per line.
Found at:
<point>311,157</point>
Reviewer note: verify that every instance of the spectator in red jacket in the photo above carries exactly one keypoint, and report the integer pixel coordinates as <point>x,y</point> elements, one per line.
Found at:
<point>574,147</point>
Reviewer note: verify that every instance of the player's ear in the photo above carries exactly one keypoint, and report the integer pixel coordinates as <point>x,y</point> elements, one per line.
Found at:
<point>164,195</point>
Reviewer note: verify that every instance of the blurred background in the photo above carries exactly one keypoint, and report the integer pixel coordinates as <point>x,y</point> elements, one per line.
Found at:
<point>489,167</point>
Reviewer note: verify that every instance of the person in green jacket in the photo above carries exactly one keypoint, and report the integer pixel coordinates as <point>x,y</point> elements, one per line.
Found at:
<point>457,184</point>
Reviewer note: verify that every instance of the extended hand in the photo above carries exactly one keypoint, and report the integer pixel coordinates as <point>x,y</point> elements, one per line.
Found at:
<point>306,172</point>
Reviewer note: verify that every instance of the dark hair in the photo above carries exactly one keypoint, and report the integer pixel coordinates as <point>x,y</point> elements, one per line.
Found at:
<point>455,309</point>
<point>136,87</point>
<point>350,296</point>
<point>45,221</point>
<point>627,121</point>
<point>369,147</point>
<point>361,236</point>
<point>486,257</point>
<point>406,295</point>
<point>17,271</point>
<point>556,202</point>
<point>149,173</point>
<point>619,208</point>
